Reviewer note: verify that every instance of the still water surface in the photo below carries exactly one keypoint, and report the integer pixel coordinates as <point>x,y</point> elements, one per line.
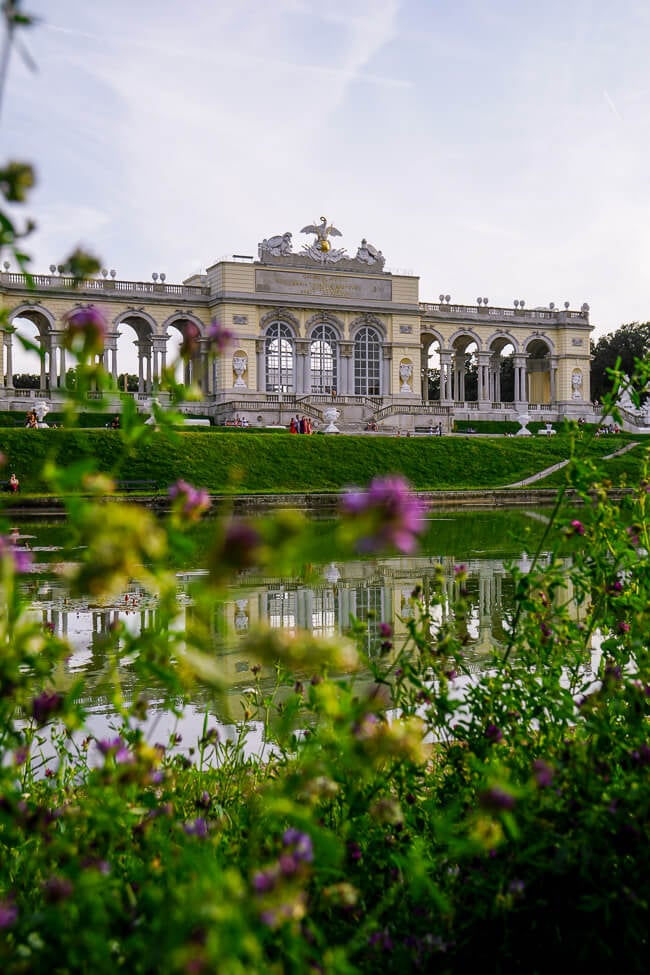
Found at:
<point>321,599</point>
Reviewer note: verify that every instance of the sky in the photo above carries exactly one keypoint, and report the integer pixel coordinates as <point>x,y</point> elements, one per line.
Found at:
<point>494,148</point>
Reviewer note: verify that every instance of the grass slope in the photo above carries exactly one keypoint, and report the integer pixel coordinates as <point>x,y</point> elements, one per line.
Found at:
<point>272,464</point>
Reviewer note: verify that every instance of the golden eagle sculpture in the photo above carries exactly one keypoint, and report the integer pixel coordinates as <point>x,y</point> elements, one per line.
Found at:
<point>322,231</point>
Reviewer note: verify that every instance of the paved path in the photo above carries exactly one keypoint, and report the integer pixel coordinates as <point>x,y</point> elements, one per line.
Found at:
<point>556,467</point>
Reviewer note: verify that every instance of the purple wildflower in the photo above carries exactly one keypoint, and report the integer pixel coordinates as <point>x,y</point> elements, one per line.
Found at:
<point>45,705</point>
<point>496,799</point>
<point>8,914</point>
<point>385,630</point>
<point>265,880</point>
<point>189,501</point>
<point>118,748</point>
<point>21,557</point>
<point>543,773</point>
<point>191,340</point>
<point>197,827</point>
<point>85,330</point>
<point>219,337</point>
<point>623,627</point>
<point>300,844</point>
<point>57,889</point>
<point>393,514</point>
<point>239,549</point>
<point>493,733</point>
<point>577,528</point>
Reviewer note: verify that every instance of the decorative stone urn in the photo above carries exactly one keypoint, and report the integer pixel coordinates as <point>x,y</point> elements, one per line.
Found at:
<point>405,373</point>
<point>331,414</point>
<point>239,365</point>
<point>523,419</point>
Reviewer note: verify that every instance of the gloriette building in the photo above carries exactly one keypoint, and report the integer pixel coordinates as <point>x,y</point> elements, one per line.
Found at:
<point>316,327</point>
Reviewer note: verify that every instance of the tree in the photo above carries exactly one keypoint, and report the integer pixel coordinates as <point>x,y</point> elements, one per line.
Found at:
<point>627,344</point>
<point>25,380</point>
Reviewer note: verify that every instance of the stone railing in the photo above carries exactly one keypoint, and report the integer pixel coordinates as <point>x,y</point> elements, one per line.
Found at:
<point>522,314</point>
<point>60,282</point>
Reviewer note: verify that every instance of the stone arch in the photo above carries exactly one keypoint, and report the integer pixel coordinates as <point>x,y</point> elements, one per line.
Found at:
<point>279,356</point>
<point>279,315</point>
<point>44,322</point>
<point>540,369</point>
<point>324,333</point>
<point>499,366</point>
<point>370,366</point>
<point>367,320</point>
<point>324,318</point>
<point>431,346</point>
<point>185,353</point>
<point>142,360</point>
<point>464,366</point>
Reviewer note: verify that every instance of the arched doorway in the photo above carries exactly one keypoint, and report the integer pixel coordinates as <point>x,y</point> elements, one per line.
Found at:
<point>28,353</point>
<point>500,372</point>
<point>464,368</point>
<point>539,376</point>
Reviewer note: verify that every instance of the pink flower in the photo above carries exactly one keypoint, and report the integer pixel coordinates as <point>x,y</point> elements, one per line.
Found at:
<point>84,330</point>
<point>189,501</point>
<point>191,340</point>
<point>21,557</point>
<point>389,513</point>
<point>219,337</point>
<point>577,527</point>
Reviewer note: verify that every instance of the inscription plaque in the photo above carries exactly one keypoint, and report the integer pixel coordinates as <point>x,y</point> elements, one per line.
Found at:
<point>270,281</point>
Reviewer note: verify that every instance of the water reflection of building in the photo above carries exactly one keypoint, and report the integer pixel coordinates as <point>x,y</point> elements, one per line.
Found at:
<point>369,591</point>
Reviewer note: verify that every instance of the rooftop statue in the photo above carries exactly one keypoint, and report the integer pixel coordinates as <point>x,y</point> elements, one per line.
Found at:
<point>278,246</point>
<point>368,254</point>
<point>321,249</point>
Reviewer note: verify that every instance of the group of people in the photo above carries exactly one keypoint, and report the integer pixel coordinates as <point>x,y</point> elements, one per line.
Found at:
<point>31,420</point>
<point>239,421</point>
<point>300,424</point>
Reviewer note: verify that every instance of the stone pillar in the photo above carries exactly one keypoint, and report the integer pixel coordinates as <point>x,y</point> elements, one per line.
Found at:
<point>458,391</point>
<point>346,361</point>
<point>424,375</point>
<point>445,377</point>
<point>519,365</point>
<point>484,392</point>
<point>140,366</point>
<point>553,365</point>
<point>62,367</point>
<point>52,363</point>
<point>302,382</point>
<point>260,347</point>
<point>43,379</point>
<point>386,388</point>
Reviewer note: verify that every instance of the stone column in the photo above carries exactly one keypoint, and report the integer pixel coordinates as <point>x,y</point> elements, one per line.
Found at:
<point>346,378</point>
<point>9,365</point>
<point>387,359</point>
<point>260,347</point>
<point>52,363</point>
<point>458,391</point>
<point>445,377</point>
<point>110,348</point>
<point>140,349</point>
<point>519,365</point>
<point>553,379</point>
<point>484,377</point>
<point>302,380</point>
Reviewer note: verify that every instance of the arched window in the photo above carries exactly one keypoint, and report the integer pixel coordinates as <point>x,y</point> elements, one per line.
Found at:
<point>323,359</point>
<point>279,358</point>
<point>367,362</point>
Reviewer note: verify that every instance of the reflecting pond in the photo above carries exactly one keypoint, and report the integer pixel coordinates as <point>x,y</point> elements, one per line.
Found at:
<point>319,598</point>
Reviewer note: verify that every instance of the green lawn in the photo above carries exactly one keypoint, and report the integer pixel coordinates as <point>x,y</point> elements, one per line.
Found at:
<point>265,463</point>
